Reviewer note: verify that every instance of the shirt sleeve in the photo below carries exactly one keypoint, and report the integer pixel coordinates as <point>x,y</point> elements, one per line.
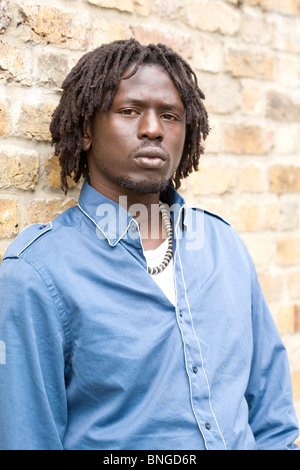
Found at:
<point>33,410</point>
<point>269,394</point>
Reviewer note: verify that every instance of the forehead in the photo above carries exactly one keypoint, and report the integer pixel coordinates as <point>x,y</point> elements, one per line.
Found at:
<point>150,83</point>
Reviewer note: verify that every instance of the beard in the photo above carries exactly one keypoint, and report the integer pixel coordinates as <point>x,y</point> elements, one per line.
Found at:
<point>143,186</point>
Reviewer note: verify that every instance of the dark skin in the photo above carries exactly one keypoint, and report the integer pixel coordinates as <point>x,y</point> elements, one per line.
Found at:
<point>135,147</point>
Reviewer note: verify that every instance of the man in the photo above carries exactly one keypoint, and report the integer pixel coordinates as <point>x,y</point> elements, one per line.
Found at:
<point>130,323</point>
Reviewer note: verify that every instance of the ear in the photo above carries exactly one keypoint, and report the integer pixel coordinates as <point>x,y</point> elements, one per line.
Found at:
<point>86,138</point>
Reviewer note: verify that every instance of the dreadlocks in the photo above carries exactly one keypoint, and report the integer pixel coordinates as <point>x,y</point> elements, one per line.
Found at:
<point>94,80</point>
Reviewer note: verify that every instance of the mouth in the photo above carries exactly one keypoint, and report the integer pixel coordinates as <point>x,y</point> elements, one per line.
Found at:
<point>151,158</point>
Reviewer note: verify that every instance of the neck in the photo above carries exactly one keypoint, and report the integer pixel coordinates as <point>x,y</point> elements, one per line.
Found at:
<point>152,229</point>
<point>145,210</point>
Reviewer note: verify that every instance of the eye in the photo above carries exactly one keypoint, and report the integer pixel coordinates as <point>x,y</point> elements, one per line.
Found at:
<point>128,112</point>
<point>169,117</point>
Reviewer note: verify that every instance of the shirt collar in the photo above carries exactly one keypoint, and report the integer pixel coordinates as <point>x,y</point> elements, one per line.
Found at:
<point>112,221</point>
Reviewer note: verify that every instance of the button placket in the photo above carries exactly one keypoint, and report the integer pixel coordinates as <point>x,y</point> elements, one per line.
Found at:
<point>199,388</point>
<point>195,366</point>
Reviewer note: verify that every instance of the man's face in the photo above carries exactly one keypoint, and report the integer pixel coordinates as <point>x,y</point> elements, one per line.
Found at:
<point>138,143</point>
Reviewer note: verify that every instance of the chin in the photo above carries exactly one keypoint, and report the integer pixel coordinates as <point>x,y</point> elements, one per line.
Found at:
<point>145,187</point>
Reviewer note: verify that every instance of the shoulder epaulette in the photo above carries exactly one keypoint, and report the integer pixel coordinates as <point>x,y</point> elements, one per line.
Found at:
<point>212,214</point>
<point>25,239</point>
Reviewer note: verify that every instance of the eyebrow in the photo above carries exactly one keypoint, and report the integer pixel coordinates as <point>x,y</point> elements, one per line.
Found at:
<point>139,102</point>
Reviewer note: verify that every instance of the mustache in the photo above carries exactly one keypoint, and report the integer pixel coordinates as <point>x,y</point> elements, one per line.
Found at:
<point>149,143</point>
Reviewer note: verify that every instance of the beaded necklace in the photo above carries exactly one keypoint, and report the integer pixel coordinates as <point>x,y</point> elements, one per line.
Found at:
<point>168,256</point>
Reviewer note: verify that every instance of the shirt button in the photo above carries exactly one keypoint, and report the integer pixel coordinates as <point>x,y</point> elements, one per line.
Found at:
<point>195,369</point>
<point>180,313</point>
<point>133,228</point>
<point>207,425</point>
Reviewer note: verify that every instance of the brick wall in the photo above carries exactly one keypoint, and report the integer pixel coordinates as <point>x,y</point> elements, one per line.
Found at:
<point>247,57</point>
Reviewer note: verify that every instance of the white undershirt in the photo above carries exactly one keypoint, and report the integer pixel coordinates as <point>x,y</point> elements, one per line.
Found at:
<point>165,279</point>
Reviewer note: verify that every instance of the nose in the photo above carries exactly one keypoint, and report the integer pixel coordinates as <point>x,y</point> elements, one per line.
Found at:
<point>150,127</point>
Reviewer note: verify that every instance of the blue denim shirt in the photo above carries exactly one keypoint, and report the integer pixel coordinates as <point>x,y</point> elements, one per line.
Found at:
<point>94,355</point>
